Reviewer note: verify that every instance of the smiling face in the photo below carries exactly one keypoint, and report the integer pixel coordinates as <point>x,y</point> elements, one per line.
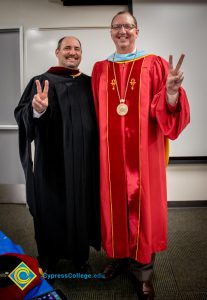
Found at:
<point>124,37</point>
<point>69,53</point>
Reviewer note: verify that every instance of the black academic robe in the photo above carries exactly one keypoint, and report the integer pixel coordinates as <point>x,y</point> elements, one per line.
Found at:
<point>62,185</point>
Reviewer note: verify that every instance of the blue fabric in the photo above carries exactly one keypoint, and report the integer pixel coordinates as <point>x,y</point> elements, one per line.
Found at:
<point>41,288</point>
<point>7,246</point>
<point>128,56</point>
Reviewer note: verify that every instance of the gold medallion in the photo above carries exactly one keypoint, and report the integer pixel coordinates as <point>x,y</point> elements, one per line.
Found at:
<point>122,109</point>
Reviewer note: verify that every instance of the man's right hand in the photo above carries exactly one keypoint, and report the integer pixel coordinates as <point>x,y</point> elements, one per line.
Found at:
<point>40,100</point>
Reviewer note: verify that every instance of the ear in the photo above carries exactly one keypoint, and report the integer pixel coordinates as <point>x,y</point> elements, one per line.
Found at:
<point>57,52</point>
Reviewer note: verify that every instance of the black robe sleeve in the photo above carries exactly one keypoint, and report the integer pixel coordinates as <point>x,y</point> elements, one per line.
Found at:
<point>24,116</point>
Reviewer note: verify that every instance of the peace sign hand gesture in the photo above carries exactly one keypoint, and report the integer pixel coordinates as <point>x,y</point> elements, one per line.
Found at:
<point>175,76</point>
<point>40,100</point>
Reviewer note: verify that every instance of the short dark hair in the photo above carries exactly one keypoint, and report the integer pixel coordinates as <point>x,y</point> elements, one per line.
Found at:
<point>61,40</point>
<point>125,12</point>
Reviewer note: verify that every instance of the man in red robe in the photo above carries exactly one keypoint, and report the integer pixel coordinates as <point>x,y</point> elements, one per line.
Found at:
<point>139,105</point>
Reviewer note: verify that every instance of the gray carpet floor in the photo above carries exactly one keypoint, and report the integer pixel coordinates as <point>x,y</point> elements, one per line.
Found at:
<point>179,273</point>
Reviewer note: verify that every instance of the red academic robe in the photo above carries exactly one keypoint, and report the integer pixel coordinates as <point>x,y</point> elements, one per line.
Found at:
<point>132,154</point>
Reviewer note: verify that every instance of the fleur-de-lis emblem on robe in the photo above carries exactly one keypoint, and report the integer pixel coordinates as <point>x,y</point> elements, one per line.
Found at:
<point>113,83</point>
<point>132,83</point>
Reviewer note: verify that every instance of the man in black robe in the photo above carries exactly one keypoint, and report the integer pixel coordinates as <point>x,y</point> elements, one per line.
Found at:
<point>62,185</point>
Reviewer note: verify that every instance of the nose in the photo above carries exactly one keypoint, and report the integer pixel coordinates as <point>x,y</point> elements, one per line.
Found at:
<point>72,51</point>
<point>122,29</point>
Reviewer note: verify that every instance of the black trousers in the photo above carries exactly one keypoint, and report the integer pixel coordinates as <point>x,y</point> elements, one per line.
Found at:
<point>142,272</point>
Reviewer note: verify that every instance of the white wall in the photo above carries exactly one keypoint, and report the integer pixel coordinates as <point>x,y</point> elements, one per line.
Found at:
<point>51,13</point>
<point>185,182</point>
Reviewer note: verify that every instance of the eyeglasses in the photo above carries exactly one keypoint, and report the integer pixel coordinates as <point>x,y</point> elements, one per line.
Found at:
<point>126,26</point>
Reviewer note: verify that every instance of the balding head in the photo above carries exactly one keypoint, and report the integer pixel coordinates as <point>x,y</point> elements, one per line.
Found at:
<point>60,41</point>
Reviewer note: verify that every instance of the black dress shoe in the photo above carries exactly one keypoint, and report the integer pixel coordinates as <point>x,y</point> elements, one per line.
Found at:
<point>47,268</point>
<point>47,265</point>
<point>83,268</point>
<point>114,268</point>
<point>145,290</point>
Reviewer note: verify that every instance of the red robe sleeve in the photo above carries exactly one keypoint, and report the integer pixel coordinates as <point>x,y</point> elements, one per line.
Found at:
<point>171,119</point>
